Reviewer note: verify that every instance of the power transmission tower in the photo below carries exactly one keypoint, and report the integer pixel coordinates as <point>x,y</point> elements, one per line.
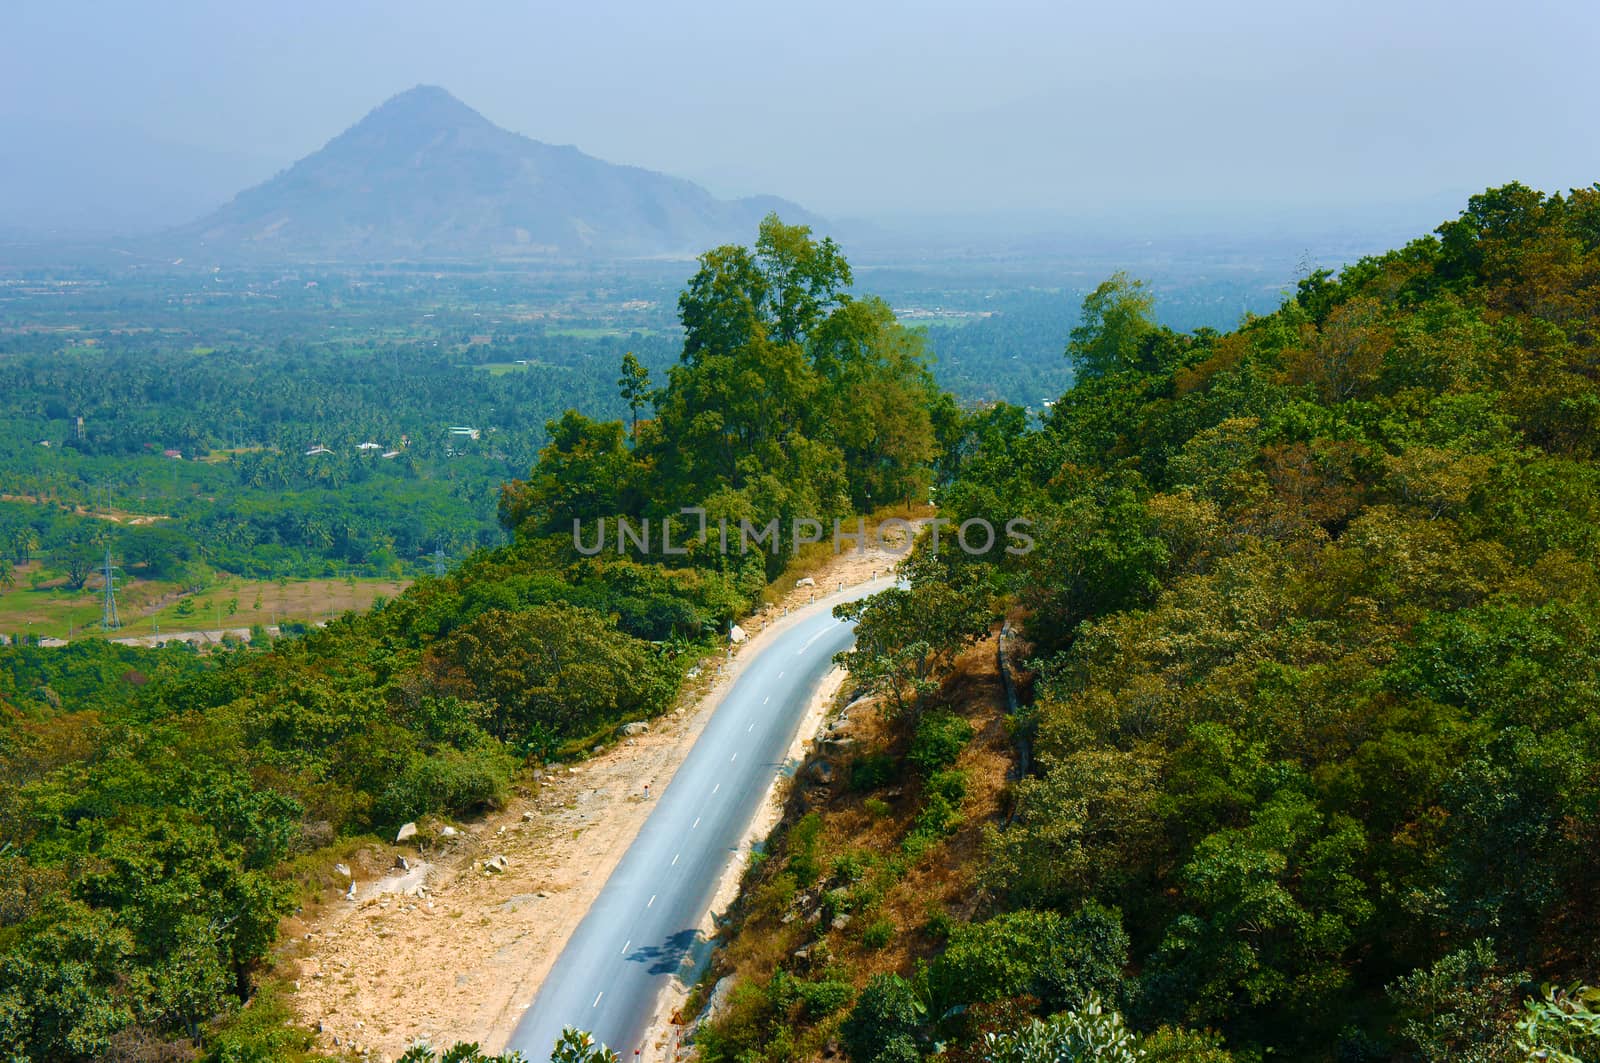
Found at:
<point>109,620</point>
<point>438,561</point>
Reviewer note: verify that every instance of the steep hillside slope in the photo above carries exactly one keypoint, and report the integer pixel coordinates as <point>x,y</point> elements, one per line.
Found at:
<point>1315,739</point>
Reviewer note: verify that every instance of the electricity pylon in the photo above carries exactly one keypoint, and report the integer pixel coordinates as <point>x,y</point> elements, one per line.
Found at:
<point>109,620</point>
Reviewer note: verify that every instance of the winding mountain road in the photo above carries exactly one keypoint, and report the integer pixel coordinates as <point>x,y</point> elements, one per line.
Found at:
<point>643,929</point>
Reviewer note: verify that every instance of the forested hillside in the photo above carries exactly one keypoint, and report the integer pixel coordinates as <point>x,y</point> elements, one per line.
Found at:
<point>1313,744</point>
<point>160,811</point>
<point>1313,760</point>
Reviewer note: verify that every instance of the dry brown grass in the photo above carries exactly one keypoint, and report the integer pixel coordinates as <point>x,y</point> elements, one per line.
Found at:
<point>809,559</point>
<point>905,892</point>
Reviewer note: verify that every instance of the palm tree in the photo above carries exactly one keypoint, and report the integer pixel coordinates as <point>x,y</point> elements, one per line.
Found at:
<point>23,544</point>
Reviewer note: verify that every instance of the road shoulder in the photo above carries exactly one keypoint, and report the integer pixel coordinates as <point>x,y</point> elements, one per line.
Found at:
<point>462,958</point>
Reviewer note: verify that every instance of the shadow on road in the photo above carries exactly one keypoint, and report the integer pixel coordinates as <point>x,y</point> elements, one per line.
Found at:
<point>668,956</point>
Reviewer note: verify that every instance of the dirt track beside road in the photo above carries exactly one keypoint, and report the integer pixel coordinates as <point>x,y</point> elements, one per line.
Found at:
<point>462,960</point>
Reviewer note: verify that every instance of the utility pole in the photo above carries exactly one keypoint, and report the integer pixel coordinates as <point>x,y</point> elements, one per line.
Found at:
<point>109,620</point>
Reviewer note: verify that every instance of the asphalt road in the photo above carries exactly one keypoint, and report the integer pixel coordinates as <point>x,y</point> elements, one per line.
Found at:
<point>642,930</point>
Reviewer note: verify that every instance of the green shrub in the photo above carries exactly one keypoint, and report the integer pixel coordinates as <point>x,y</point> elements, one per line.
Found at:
<point>1455,1009</point>
<point>1174,1044</point>
<point>882,1026</point>
<point>899,1049</point>
<point>872,770</point>
<point>265,1032</point>
<point>878,934</point>
<point>823,998</point>
<point>938,741</point>
<point>836,902</point>
<point>940,813</point>
<point>848,868</point>
<point>950,785</point>
<point>1060,960</point>
<point>573,1046</point>
<point>775,896</point>
<point>939,925</point>
<point>760,1018</point>
<point>938,818</point>
<point>451,780</point>
<point>1561,1025</point>
<point>800,849</point>
<point>1088,1034</point>
<point>739,1029</point>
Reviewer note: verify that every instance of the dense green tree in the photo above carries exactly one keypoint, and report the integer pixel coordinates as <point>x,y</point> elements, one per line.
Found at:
<point>553,666</point>
<point>584,473</point>
<point>883,1025</point>
<point>78,561</point>
<point>1455,1009</point>
<point>805,278</point>
<point>792,402</point>
<point>907,639</point>
<point>1060,961</point>
<point>58,988</point>
<point>876,399</point>
<point>634,385</point>
<point>1114,324</point>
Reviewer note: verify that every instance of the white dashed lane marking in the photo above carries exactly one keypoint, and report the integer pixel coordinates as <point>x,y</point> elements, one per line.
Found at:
<point>597,997</point>
<point>809,641</point>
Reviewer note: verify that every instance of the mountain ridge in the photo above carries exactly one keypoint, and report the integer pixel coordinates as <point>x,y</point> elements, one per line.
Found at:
<point>424,176</point>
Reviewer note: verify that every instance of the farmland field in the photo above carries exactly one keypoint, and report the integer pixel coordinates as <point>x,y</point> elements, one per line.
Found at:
<point>150,607</point>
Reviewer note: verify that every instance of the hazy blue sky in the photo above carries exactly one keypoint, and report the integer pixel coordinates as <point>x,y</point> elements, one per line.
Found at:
<point>850,108</point>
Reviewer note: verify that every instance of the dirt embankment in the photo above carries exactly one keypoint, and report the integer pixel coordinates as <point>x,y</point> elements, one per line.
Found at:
<point>449,951</point>
<point>664,1039</point>
<point>892,912</point>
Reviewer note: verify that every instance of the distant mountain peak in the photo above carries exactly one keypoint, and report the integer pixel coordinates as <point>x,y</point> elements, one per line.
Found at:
<point>424,94</point>
<point>424,105</point>
<point>423,175</point>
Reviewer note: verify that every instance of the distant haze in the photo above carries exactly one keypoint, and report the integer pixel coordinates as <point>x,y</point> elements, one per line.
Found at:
<point>426,177</point>
<point>123,116</point>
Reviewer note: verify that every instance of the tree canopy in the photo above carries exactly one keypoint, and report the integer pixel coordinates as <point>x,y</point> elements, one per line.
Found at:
<point>1309,705</point>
